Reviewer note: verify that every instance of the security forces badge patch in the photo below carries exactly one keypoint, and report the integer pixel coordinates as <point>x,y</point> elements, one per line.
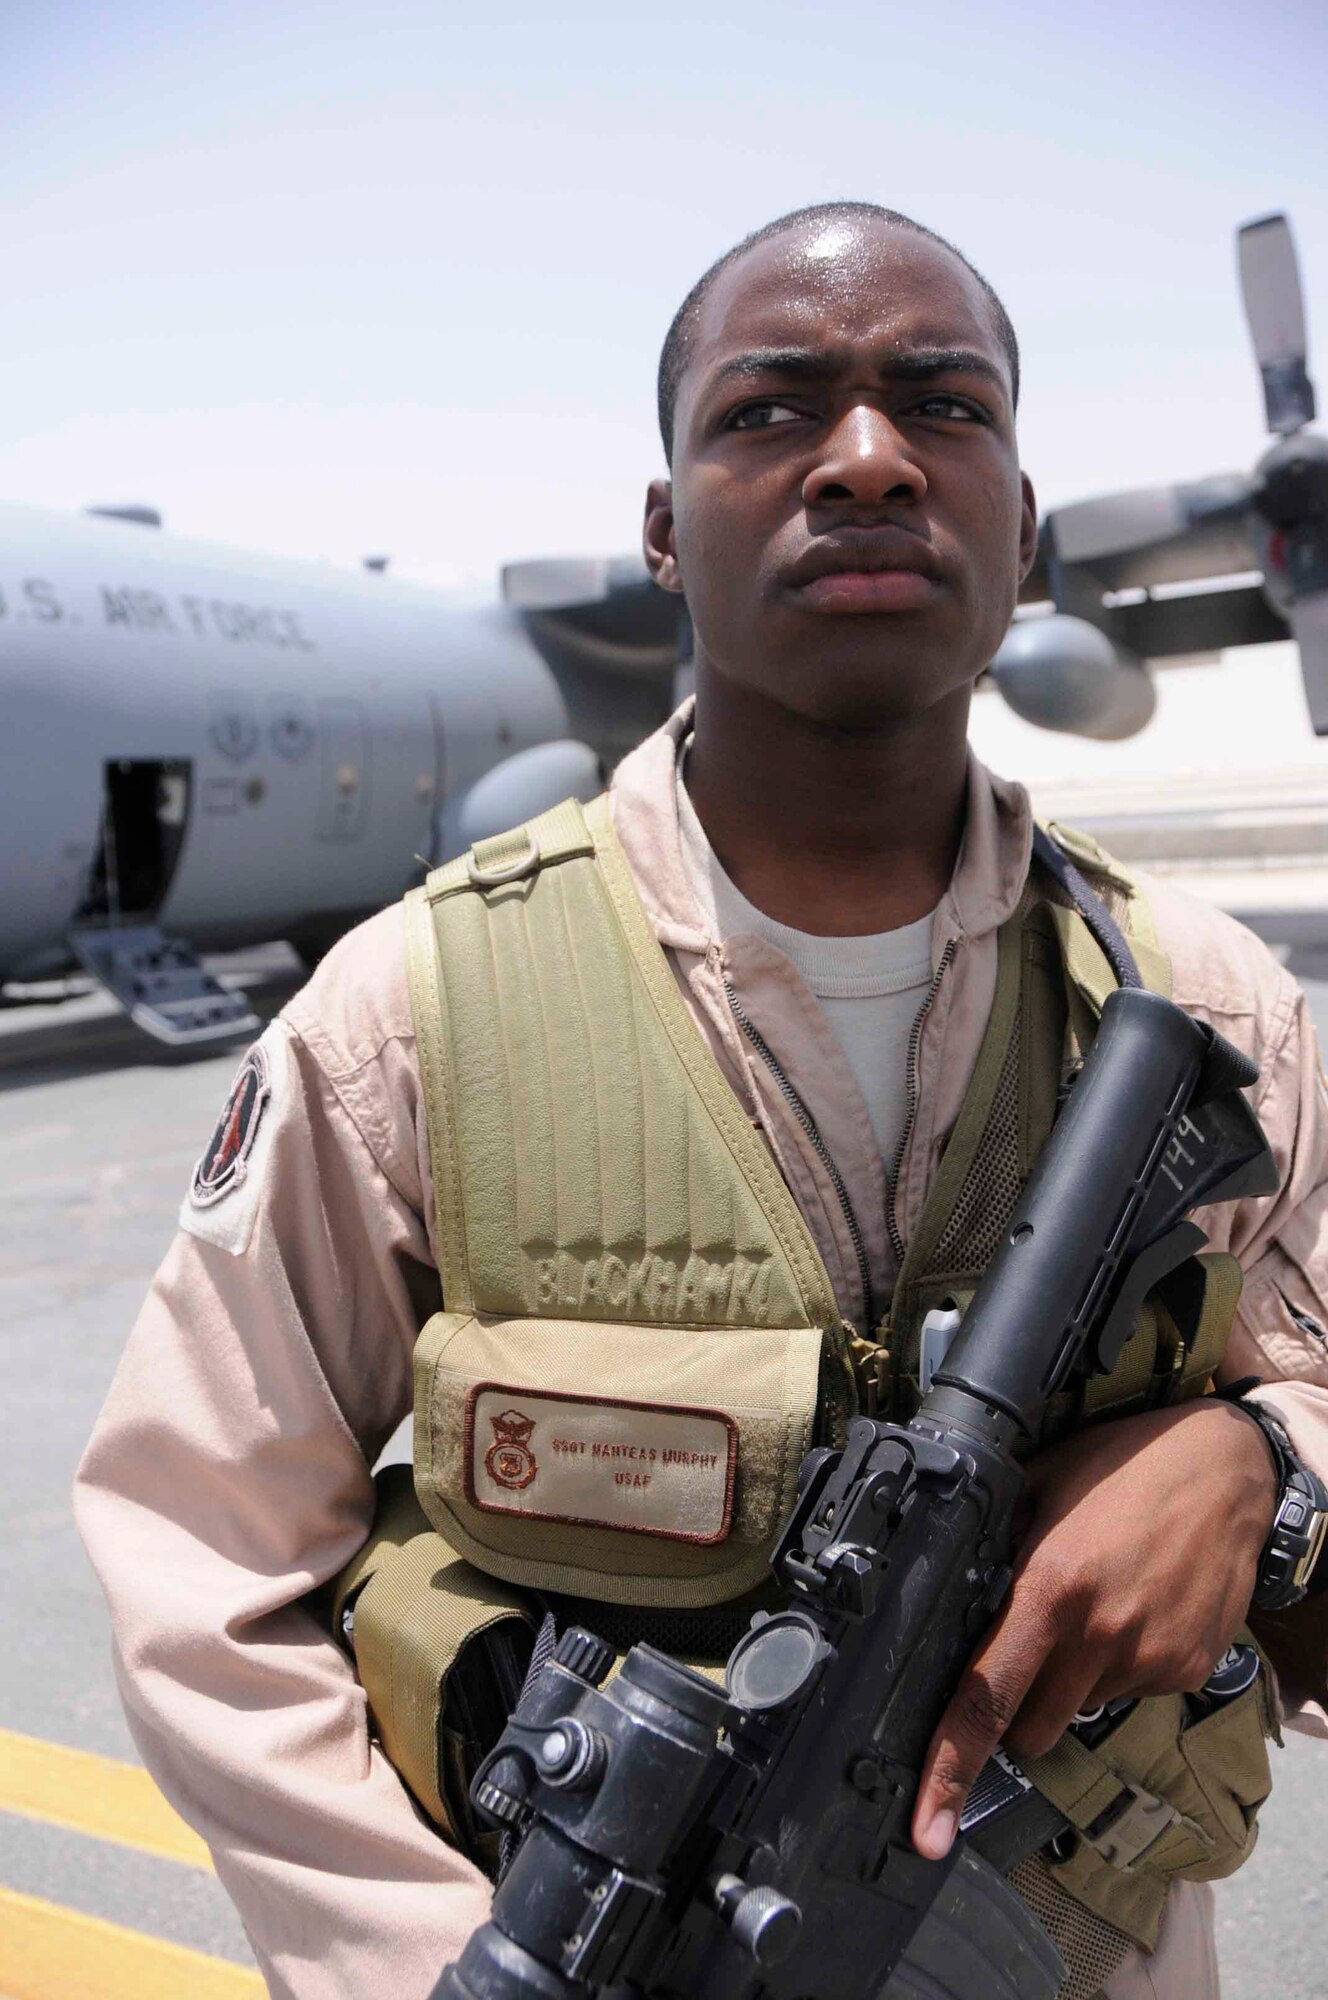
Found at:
<point>223,1190</point>
<point>509,1461</point>
<point>225,1161</point>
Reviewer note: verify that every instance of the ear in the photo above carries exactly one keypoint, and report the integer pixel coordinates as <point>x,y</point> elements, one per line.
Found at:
<point>659,542</point>
<point>1028,528</point>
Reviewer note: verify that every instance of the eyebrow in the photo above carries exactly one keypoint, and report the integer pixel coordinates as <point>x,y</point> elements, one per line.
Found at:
<point>818,364</point>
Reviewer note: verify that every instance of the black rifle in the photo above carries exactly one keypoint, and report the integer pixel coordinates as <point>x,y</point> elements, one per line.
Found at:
<point>752,1842</point>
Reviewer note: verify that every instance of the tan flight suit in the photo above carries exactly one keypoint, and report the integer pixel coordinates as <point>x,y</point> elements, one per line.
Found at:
<point>229,1473</point>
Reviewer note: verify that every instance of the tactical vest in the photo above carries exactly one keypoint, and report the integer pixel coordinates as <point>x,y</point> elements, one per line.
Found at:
<point>640,1341</point>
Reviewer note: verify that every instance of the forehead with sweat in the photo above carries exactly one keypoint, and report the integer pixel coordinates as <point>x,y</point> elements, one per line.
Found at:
<point>818,256</point>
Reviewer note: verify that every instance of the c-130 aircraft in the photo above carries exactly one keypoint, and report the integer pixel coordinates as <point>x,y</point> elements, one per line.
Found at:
<point>202,752</point>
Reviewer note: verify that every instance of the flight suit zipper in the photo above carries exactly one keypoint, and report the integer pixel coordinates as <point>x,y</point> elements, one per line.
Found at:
<point>812,1130</point>
<point>911,1102</point>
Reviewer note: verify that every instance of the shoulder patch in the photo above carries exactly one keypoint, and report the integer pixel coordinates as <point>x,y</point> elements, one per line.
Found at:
<point>225,1162</point>
<point>227,1180</point>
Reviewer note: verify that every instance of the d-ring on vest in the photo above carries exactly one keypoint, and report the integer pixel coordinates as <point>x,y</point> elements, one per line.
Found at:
<point>640,1337</point>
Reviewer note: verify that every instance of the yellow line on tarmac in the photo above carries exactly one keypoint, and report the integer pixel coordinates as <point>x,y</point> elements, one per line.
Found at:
<point>94,1795</point>
<point>49,1953</point>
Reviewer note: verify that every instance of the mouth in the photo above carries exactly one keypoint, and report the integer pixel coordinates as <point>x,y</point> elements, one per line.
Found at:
<point>866,569</point>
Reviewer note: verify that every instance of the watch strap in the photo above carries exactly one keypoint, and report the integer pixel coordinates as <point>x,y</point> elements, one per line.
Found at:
<point>1291,1554</point>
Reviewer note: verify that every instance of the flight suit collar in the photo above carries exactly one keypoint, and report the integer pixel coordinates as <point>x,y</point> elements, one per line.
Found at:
<point>985,889</point>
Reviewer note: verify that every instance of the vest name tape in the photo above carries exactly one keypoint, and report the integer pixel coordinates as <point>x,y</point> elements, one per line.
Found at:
<point>595,1462</point>
<point>652,1287</point>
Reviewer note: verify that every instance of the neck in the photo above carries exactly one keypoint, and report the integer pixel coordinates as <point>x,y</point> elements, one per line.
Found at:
<point>838,830</point>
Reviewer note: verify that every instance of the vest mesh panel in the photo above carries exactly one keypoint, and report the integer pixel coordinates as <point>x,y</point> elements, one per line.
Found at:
<point>1088,1944</point>
<point>705,1632</point>
<point>993,1184</point>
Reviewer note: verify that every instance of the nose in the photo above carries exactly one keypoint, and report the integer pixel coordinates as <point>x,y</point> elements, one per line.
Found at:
<point>866,462</point>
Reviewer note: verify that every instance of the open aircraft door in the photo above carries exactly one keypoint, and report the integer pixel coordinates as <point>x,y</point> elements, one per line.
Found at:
<point>158,980</point>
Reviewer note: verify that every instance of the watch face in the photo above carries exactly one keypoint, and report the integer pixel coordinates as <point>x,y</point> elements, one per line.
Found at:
<point>1296,1542</point>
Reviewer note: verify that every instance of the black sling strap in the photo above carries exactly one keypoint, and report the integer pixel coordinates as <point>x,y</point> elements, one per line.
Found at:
<point>1090,907</point>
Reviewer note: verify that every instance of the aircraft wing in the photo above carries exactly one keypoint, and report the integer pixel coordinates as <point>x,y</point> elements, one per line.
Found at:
<point>612,640</point>
<point>601,613</point>
<point>1167,572</point>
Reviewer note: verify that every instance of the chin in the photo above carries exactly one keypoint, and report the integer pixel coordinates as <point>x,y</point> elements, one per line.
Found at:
<point>872,689</point>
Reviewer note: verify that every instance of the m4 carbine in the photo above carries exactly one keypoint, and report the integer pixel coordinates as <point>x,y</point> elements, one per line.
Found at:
<point>752,1841</point>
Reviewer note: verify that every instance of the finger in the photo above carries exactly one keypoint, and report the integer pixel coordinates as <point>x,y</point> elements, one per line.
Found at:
<point>1065,1688</point>
<point>1168,1672</point>
<point>978,1715</point>
<point>1111,1687</point>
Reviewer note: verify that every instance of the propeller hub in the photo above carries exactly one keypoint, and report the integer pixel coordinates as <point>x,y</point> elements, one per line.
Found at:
<point>1291,482</point>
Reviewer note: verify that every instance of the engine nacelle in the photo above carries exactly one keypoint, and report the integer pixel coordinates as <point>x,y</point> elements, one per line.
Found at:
<point>518,789</point>
<point>1063,673</point>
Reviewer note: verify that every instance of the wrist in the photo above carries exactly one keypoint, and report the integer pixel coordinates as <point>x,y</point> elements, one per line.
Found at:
<point>1269,1457</point>
<point>1246,1449</point>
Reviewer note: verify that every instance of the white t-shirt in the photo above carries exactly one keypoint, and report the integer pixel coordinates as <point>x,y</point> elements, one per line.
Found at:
<point>869,987</point>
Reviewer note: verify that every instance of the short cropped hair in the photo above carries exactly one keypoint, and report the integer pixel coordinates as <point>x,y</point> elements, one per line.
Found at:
<point>677,349</point>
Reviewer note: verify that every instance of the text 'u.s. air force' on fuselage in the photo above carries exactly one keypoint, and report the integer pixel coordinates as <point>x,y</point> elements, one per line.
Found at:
<point>204,750</point>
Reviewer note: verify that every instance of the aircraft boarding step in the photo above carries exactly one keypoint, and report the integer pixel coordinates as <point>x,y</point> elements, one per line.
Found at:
<point>162,984</point>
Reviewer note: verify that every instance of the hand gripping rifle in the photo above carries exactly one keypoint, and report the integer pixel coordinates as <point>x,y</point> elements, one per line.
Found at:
<point>751,1841</point>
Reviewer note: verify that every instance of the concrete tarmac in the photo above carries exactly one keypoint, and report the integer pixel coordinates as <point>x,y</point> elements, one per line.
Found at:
<point>98,1133</point>
<point>99,1130</point>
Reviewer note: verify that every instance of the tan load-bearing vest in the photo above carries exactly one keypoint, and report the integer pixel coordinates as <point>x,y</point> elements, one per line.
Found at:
<point>631,1294</point>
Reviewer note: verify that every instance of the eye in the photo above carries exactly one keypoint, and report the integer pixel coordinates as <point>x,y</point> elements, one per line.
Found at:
<point>953,408</point>
<point>763,415</point>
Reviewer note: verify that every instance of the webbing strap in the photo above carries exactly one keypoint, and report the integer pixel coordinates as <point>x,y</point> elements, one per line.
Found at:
<point>1119,1817</point>
<point>1223,1281</point>
<point>428,1006</point>
<point>1133,1383</point>
<point>1090,906</point>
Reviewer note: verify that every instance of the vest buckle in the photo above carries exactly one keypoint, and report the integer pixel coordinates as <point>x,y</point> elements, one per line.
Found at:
<point>1133,1824</point>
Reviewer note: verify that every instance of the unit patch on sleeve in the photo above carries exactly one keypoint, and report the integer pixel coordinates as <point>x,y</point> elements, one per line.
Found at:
<point>596,1462</point>
<point>227,1179</point>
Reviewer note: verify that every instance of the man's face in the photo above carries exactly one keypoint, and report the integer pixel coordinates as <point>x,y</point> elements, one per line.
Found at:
<point>846,514</point>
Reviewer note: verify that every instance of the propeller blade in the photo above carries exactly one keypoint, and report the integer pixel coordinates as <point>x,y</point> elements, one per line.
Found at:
<point>1275,310</point>
<point>1102,530</point>
<point>1309,628</point>
<point>1116,523</point>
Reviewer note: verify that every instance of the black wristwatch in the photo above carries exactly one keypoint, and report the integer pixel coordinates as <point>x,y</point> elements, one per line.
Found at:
<point>1300,1524</point>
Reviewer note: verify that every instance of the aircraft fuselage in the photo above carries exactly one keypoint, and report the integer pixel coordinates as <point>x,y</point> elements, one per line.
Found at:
<point>242,747</point>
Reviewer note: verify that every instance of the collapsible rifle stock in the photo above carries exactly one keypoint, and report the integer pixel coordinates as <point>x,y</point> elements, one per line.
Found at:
<point>751,1842</point>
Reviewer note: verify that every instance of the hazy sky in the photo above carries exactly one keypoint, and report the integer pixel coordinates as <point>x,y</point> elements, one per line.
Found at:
<point>329,279</point>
